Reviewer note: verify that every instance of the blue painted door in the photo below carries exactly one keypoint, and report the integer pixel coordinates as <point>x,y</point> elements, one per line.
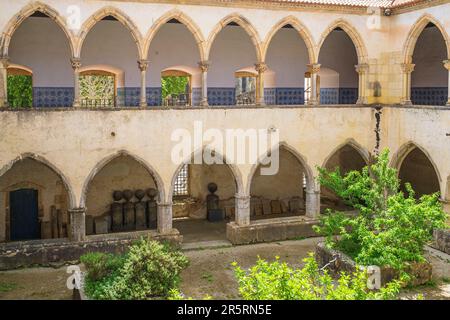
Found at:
<point>24,215</point>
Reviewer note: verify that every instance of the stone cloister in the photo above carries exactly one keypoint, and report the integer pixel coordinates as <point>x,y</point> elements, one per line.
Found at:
<point>339,83</point>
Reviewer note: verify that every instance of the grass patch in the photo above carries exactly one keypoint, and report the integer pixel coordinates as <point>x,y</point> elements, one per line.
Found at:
<point>7,287</point>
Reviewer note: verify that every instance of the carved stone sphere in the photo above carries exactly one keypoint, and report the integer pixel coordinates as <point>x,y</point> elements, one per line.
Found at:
<point>128,194</point>
<point>139,194</point>
<point>152,192</point>
<point>117,195</point>
<point>212,187</point>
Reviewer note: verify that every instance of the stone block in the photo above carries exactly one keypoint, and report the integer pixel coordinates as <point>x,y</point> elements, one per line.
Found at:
<point>442,240</point>
<point>275,206</point>
<point>89,225</point>
<point>294,205</point>
<point>101,225</point>
<point>266,207</point>
<point>46,230</point>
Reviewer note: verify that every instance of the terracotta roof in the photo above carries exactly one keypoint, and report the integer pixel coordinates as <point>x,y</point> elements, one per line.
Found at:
<point>351,3</point>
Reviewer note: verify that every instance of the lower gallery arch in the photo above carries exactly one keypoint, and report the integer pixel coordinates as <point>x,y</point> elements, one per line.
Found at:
<point>200,214</point>
<point>418,170</point>
<point>34,202</point>
<point>347,159</point>
<point>121,197</point>
<point>282,194</point>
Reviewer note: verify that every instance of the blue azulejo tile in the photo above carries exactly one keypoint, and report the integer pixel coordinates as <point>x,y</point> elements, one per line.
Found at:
<point>221,96</point>
<point>290,96</point>
<point>52,97</point>
<point>433,96</point>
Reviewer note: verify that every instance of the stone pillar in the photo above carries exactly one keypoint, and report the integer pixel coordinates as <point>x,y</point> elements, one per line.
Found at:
<point>362,70</point>
<point>164,217</point>
<point>204,65</point>
<point>143,65</point>
<point>447,66</point>
<point>76,65</point>
<point>4,61</point>
<point>407,69</point>
<point>77,224</point>
<point>261,68</point>
<point>314,69</point>
<point>242,210</point>
<point>312,204</point>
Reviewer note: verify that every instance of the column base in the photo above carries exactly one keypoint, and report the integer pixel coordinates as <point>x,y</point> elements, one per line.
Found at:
<point>361,101</point>
<point>313,103</point>
<point>242,214</point>
<point>406,103</point>
<point>164,218</point>
<point>143,105</point>
<point>448,103</point>
<point>312,204</point>
<point>204,103</point>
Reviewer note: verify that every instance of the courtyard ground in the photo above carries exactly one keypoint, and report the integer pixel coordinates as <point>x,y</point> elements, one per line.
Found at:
<point>209,272</point>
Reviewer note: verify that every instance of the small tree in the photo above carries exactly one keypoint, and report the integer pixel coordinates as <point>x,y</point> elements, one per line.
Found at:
<point>391,227</point>
<point>20,91</point>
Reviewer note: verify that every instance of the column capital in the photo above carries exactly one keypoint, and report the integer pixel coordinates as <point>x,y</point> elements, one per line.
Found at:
<point>76,63</point>
<point>143,64</point>
<point>446,64</point>
<point>362,68</point>
<point>4,61</point>
<point>313,67</point>
<point>204,65</point>
<point>261,67</point>
<point>407,67</point>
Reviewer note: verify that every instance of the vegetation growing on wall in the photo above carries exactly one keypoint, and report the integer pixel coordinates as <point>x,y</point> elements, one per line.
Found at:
<point>391,227</point>
<point>147,270</point>
<point>20,91</point>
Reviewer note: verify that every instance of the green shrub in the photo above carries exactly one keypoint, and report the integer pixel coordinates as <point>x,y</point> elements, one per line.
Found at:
<point>391,228</point>
<point>278,281</point>
<point>148,270</point>
<point>100,265</point>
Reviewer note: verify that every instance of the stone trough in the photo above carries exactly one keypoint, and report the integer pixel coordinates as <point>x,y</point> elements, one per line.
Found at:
<point>337,261</point>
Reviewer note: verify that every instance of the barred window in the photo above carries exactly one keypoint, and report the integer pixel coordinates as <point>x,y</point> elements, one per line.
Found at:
<point>182,182</point>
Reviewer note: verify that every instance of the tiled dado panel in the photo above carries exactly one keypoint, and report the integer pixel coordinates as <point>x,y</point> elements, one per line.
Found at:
<point>221,96</point>
<point>290,96</point>
<point>338,95</point>
<point>52,97</point>
<point>196,96</point>
<point>131,96</point>
<point>270,96</point>
<point>436,96</point>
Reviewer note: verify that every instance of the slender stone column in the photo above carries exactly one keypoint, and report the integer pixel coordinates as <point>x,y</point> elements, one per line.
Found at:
<point>261,68</point>
<point>312,203</point>
<point>407,69</point>
<point>4,61</point>
<point>447,66</point>
<point>164,217</point>
<point>204,65</point>
<point>362,70</point>
<point>143,65</point>
<point>76,65</point>
<point>314,69</point>
<point>77,224</point>
<point>242,210</point>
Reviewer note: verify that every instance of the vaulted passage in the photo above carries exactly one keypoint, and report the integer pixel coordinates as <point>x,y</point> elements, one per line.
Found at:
<point>287,58</point>
<point>40,46</point>
<point>281,194</point>
<point>346,159</point>
<point>429,80</point>
<point>338,77</point>
<point>203,201</point>
<point>418,170</point>
<point>109,75</point>
<point>33,203</point>
<point>121,197</point>
<point>232,74</point>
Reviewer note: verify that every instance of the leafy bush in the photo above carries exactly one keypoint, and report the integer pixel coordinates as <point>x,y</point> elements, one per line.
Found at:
<point>391,227</point>
<point>20,91</point>
<point>278,281</point>
<point>148,270</point>
<point>173,85</point>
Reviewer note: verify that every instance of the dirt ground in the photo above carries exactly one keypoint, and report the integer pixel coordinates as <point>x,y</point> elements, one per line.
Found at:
<point>209,272</point>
